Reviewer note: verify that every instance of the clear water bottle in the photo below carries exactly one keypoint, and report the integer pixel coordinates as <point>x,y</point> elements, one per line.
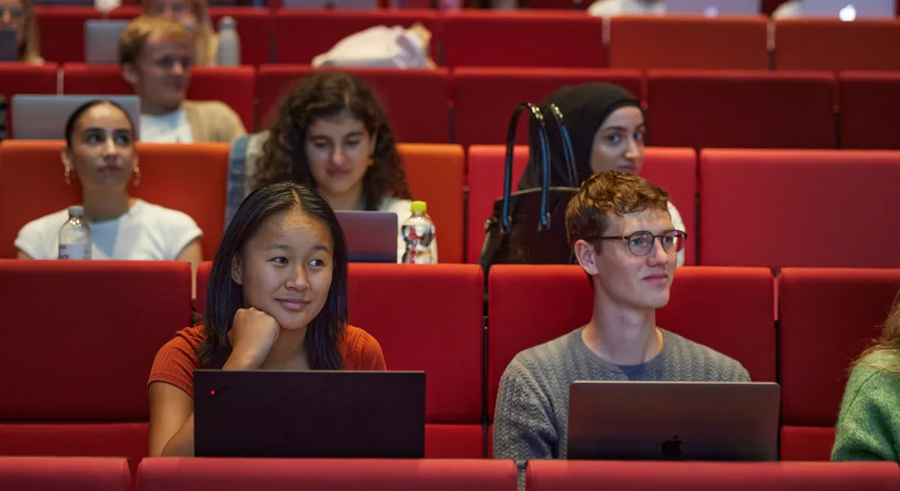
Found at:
<point>418,233</point>
<point>228,52</point>
<point>75,236</point>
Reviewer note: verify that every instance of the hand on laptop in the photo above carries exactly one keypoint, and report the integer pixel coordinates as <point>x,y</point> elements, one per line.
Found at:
<point>252,335</point>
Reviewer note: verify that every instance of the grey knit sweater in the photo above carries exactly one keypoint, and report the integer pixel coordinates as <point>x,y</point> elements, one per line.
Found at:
<point>531,417</point>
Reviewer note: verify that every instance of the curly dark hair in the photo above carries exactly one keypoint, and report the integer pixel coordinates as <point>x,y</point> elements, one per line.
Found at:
<point>321,96</point>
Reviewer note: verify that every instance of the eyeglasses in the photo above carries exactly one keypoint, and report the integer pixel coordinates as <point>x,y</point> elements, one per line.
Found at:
<point>13,13</point>
<point>640,243</point>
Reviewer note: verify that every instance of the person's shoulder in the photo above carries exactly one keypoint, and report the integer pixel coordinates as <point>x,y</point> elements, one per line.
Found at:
<point>875,371</point>
<point>545,356</point>
<point>361,350</point>
<point>39,231</point>
<point>162,214</point>
<point>176,361</point>
<point>710,363</point>
<point>396,205</point>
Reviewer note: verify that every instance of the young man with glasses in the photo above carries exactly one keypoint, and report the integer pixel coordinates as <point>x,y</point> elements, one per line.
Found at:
<point>620,230</point>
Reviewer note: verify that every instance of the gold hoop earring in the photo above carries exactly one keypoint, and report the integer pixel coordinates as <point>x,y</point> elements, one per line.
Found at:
<point>371,161</point>
<point>69,176</point>
<point>137,176</point>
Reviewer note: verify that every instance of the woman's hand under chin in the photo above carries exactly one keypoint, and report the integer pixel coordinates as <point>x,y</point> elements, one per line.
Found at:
<point>252,335</point>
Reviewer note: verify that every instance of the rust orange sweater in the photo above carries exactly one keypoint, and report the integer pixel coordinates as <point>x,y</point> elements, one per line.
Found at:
<point>176,360</point>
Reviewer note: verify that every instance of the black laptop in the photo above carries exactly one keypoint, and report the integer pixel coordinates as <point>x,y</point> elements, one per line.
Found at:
<point>322,414</point>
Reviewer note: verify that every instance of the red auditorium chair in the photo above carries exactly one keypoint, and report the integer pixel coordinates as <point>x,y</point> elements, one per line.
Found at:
<point>723,43</point>
<point>782,208</point>
<point>420,119</point>
<point>562,475</point>
<point>870,109</point>
<point>189,178</point>
<point>430,318</point>
<point>826,44</point>
<point>22,78</point>
<point>64,474</point>
<point>728,309</point>
<point>827,318</point>
<point>235,86</point>
<point>77,362</point>
<point>61,31</point>
<point>255,28</point>
<point>523,38</point>
<point>675,169</point>
<point>301,35</point>
<point>703,109</point>
<point>326,474</point>
<point>484,98</point>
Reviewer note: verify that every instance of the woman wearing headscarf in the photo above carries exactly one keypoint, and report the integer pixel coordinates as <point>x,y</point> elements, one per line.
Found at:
<point>606,125</point>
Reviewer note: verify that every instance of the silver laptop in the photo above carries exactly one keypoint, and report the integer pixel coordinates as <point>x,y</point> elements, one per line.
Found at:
<point>850,9</point>
<point>371,236</point>
<point>674,421</point>
<point>331,4</point>
<point>43,117</point>
<point>9,45</point>
<point>713,8</point>
<point>101,41</point>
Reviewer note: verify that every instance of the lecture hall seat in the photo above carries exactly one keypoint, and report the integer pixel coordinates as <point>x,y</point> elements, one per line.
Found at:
<point>827,318</point>
<point>61,31</point>
<point>831,44</point>
<point>184,177</point>
<point>22,78</point>
<point>869,109</point>
<point>799,208</point>
<point>420,119</point>
<point>77,362</point>
<point>64,474</point>
<point>484,98</point>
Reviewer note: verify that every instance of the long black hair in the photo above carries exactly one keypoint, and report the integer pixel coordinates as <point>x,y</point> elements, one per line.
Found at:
<point>225,297</point>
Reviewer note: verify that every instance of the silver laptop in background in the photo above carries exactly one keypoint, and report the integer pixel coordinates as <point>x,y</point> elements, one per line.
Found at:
<point>331,4</point>
<point>714,8</point>
<point>101,41</point>
<point>673,421</point>
<point>43,117</point>
<point>371,236</point>
<point>842,9</point>
<point>9,45</point>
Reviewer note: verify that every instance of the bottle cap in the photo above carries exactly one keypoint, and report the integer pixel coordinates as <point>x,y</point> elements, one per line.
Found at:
<point>76,211</point>
<point>227,22</point>
<point>418,207</point>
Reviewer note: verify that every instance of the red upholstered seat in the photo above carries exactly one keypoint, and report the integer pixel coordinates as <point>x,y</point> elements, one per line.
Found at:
<point>326,474</point>
<point>827,318</point>
<point>870,109</point>
<point>708,305</point>
<point>744,109</point>
<point>61,31</point>
<point>782,208</point>
<point>420,119</point>
<point>562,475</point>
<point>484,98</point>
<point>63,474</point>
<point>831,44</point>
<point>22,78</point>
<point>523,38</point>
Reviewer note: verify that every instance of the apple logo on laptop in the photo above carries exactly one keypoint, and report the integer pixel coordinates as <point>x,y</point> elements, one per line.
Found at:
<point>671,449</point>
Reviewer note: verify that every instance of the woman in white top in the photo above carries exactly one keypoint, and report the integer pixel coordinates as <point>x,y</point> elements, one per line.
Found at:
<point>331,132</point>
<point>100,154</point>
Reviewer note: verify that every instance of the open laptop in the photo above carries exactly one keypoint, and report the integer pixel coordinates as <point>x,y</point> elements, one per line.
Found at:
<point>331,4</point>
<point>713,8</point>
<point>850,9</point>
<point>673,421</point>
<point>9,45</point>
<point>320,414</point>
<point>101,41</point>
<point>43,117</point>
<point>371,236</point>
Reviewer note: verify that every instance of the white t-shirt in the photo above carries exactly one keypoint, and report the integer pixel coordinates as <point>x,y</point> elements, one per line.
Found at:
<point>610,8</point>
<point>401,207</point>
<point>145,232</point>
<point>167,128</point>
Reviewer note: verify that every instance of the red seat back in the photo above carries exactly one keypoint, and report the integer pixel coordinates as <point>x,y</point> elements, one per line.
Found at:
<point>723,43</point>
<point>61,31</point>
<point>779,208</point>
<point>510,38</point>
<point>703,301</point>
<point>870,109</point>
<point>420,119</point>
<point>831,44</point>
<point>484,98</point>
<point>64,474</point>
<point>22,78</point>
<point>741,109</point>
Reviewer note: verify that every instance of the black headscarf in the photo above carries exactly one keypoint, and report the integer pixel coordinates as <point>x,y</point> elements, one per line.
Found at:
<point>584,107</point>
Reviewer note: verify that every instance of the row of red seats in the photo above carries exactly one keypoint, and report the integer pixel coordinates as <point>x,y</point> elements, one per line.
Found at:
<point>769,208</point>
<point>61,474</point>
<point>78,370</point>
<point>469,106</point>
<point>568,38</point>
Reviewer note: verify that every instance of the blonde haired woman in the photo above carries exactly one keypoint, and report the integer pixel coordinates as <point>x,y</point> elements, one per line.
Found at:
<point>194,16</point>
<point>868,427</point>
<point>19,16</point>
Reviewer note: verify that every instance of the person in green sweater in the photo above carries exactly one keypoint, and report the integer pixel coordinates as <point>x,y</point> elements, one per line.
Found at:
<point>868,427</point>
